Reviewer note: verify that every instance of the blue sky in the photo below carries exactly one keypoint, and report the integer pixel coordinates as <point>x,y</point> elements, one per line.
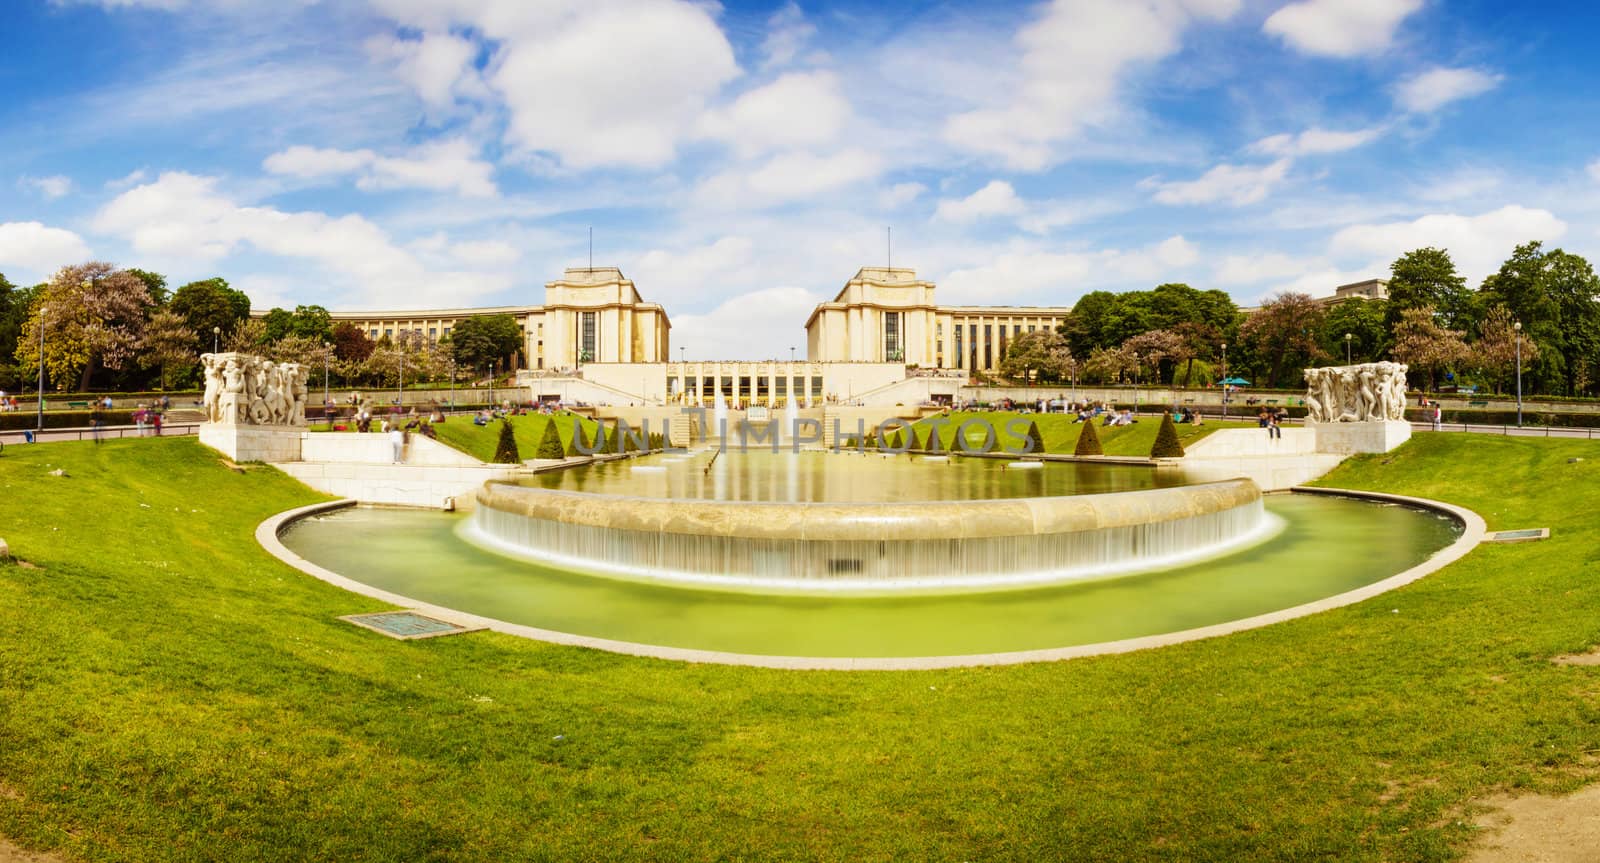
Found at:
<point>739,162</point>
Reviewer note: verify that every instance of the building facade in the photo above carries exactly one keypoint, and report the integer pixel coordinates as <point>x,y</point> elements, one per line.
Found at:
<point>588,315</point>
<point>887,314</point>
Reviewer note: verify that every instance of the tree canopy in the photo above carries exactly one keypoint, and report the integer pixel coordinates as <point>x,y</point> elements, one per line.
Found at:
<point>478,341</point>
<point>1428,277</point>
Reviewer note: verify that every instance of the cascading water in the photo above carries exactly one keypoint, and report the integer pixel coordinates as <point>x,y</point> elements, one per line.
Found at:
<point>778,544</point>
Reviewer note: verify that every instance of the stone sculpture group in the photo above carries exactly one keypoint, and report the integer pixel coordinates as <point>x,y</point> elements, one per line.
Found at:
<point>244,389</point>
<point>1370,392</point>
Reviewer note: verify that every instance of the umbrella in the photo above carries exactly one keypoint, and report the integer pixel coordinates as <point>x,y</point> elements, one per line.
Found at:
<point>1236,382</point>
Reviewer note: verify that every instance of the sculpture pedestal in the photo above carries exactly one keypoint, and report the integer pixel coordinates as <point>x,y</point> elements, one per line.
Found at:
<point>253,443</point>
<point>1350,438</point>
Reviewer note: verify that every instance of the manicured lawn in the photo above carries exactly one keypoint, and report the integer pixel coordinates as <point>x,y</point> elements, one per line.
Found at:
<point>169,692</point>
<point>1060,433</point>
<point>480,441</point>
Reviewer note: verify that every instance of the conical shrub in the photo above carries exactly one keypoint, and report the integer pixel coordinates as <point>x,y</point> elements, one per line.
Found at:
<point>580,440</point>
<point>896,442</point>
<point>1033,440</point>
<point>933,444</point>
<point>1167,444</point>
<point>1088,440</point>
<point>505,452</point>
<point>550,442</point>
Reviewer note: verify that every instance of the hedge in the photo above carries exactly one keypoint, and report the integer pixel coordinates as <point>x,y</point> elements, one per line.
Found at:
<point>15,421</point>
<point>1505,418</point>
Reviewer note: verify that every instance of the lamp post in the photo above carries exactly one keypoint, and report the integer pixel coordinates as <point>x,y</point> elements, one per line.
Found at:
<point>400,388</point>
<point>1347,349</point>
<point>327,403</point>
<point>452,384</point>
<point>791,354</point>
<point>1136,383</point>
<point>1224,380</point>
<point>216,338</point>
<point>1517,329</point>
<point>40,428</point>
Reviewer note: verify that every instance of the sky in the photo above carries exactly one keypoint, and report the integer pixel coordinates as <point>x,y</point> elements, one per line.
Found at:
<point>741,161</point>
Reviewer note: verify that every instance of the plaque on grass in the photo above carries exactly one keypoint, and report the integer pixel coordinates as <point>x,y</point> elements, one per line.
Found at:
<point>1528,535</point>
<point>407,625</point>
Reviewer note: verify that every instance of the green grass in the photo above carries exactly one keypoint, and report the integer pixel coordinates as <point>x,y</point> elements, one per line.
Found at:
<point>479,441</point>
<point>168,692</point>
<point>1060,433</point>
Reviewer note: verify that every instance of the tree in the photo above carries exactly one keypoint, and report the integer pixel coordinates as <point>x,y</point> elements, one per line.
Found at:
<point>311,322</point>
<point>1367,323</point>
<point>93,316</point>
<point>505,451</point>
<point>1495,351</point>
<point>1042,352</point>
<point>155,283</point>
<point>1088,440</point>
<point>478,341</point>
<point>1553,294</point>
<point>1107,365</point>
<point>1421,343</point>
<point>350,342</point>
<point>248,337</point>
<point>580,439</point>
<point>210,305</point>
<point>1155,347</point>
<point>1033,441</point>
<point>1201,341</point>
<point>14,305</point>
<point>279,323</point>
<point>1428,277</point>
<point>1167,444</point>
<point>1285,333</point>
<point>167,342</point>
<point>550,442</point>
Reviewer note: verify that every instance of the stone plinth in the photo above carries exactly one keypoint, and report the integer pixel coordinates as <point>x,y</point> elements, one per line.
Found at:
<point>1358,437</point>
<point>253,442</point>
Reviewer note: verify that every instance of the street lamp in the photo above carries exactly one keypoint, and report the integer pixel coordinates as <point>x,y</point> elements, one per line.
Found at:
<point>327,404</point>
<point>1517,327</point>
<point>452,384</point>
<point>400,388</point>
<point>1224,380</point>
<point>1136,383</point>
<point>791,354</point>
<point>216,338</point>
<point>681,357</point>
<point>40,428</point>
<point>1347,349</point>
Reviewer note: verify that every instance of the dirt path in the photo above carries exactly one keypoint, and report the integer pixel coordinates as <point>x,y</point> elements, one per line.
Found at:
<point>12,854</point>
<point>1537,829</point>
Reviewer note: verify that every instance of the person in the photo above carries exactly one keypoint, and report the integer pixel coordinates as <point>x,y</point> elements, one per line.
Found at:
<point>1438,416</point>
<point>397,440</point>
<point>155,422</point>
<point>1274,432</point>
<point>1261,420</point>
<point>138,419</point>
<point>166,404</point>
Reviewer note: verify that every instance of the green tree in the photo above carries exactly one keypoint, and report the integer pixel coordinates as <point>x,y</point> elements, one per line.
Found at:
<point>1498,345</point>
<point>167,342</point>
<point>1554,295</point>
<point>1367,323</point>
<point>155,283</point>
<point>311,322</point>
<point>1285,333</point>
<point>249,336</point>
<point>1428,277</point>
<point>279,323</point>
<point>580,438</point>
<point>1040,355</point>
<point>505,451</point>
<point>210,305</point>
<point>1167,444</point>
<point>1033,441</point>
<point>1088,440</point>
<point>477,342</point>
<point>550,442</point>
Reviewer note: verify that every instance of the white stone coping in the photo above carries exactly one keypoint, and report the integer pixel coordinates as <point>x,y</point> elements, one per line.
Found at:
<point>1473,532</point>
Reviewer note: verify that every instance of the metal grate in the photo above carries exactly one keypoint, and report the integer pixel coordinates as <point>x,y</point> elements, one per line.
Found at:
<point>1527,535</point>
<point>407,625</point>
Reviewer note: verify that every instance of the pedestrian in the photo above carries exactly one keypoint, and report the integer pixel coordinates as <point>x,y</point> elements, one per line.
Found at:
<point>1274,430</point>
<point>1438,416</point>
<point>397,440</point>
<point>155,421</point>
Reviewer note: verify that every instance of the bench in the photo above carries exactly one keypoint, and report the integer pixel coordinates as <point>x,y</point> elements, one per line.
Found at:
<point>1480,404</point>
<point>77,404</point>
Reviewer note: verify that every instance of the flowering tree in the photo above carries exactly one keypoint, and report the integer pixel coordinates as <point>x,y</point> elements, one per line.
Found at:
<point>1420,342</point>
<point>92,315</point>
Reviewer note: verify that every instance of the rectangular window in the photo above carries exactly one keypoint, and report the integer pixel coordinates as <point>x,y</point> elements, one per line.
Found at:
<point>672,386</point>
<point>783,386</point>
<point>961,355</point>
<point>708,385</point>
<point>388,332</point>
<point>589,338</point>
<point>799,386</point>
<point>374,333</point>
<point>1002,353</point>
<point>972,346</point>
<point>816,386</point>
<point>433,334</point>
<point>891,337</point>
<point>988,345</point>
<point>447,332</point>
<point>727,386</point>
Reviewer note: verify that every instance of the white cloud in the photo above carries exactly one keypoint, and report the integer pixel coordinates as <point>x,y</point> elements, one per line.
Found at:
<point>438,66</point>
<point>696,271</point>
<point>183,217</point>
<point>900,194</point>
<point>1431,90</point>
<point>1234,184</point>
<point>49,188</point>
<point>1253,269</point>
<point>1072,60</point>
<point>617,83</point>
<point>797,111</point>
<point>1176,251</point>
<point>1594,170</point>
<point>131,178</point>
<point>441,165</point>
<point>33,251</point>
<point>762,324</point>
<point>1032,274</point>
<point>1340,28</point>
<point>1314,141</point>
<point>1478,244</point>
<point>788,177</point>
<point>788,31</point>
<point>995,199</point>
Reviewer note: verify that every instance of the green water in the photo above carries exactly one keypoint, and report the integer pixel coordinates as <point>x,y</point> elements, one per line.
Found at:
<point>844,477</point>
<point>1329,546</point>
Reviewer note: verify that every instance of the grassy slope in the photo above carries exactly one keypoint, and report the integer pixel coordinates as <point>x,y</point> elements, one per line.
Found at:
<point>167,692</point>
<point>480,441</point>
<point>1060,434</point>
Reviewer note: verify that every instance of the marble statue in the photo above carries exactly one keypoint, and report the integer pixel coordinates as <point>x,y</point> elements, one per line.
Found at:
<point>243,389</point>
<point>1370,392</point>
